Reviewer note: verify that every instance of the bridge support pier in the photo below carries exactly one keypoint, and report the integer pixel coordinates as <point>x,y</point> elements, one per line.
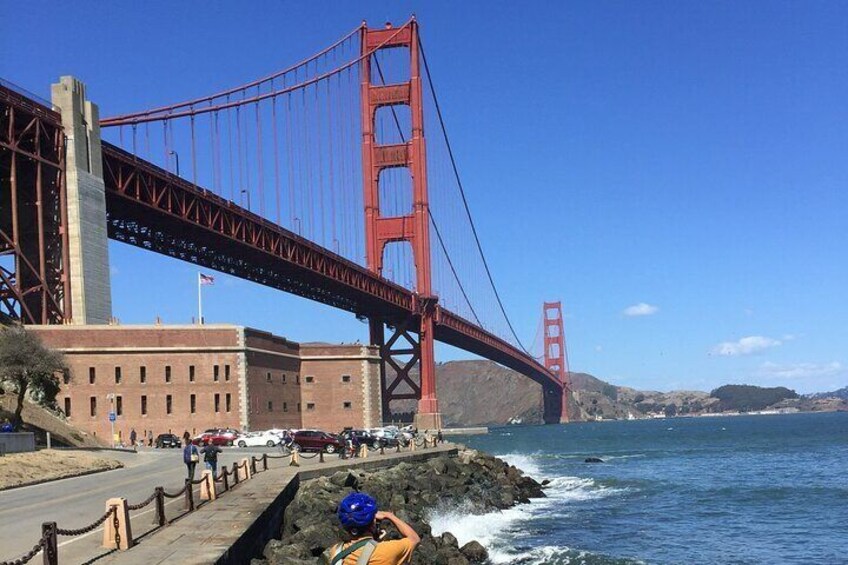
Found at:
<point>88,258</point>
<point>552,405</point>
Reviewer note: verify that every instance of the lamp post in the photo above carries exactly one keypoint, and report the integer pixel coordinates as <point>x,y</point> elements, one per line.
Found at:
<point>297,222</point>
<point>246,193</point>
<point>177,158</point>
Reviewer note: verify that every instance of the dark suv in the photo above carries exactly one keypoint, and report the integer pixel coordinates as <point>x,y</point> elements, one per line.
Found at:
<point>167,440</point>
<point>313,440</point>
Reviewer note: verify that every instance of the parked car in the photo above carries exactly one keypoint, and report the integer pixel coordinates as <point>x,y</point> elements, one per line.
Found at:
<point>255,439</point>
<point>388,437</point>
<point>217,436</point>
<point>314,440</point>
<point>373,440</point>
<point>167,440</point>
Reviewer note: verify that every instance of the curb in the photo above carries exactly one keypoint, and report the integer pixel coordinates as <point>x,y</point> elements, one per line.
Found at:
<point>73,476</point>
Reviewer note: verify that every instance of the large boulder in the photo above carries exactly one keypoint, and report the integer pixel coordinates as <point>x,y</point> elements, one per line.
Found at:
<point>474,552</point>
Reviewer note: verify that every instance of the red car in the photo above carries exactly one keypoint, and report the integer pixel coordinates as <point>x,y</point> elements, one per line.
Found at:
<point>313,440</point>
<point>217,436</point>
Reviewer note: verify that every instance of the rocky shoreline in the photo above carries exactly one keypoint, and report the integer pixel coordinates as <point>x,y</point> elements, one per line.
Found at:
<point>410,490</point>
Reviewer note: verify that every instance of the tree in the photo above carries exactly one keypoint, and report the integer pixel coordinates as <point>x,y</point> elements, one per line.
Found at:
<point>27,366</point>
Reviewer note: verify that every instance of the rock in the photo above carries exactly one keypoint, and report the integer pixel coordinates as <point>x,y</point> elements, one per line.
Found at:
<point>410,490</point>
<point>279,553</point>
<point>546,482</point>
<point>474,552</point>
<point>593,460</point>
<point>449,539</point>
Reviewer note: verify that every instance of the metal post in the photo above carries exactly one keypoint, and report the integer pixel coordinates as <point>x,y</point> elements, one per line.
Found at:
<point>189,495</point>
<point>51,548</point>
<point>226,476</point>
<point>159,518</point>
<point>264,461</point>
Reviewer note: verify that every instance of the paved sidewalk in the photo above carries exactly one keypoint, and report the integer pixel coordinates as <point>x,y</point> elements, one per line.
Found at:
<point>234,528</point>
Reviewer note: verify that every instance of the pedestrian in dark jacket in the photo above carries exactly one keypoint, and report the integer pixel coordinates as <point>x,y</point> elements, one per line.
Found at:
<point>210,453</point>
<point>190,457</point>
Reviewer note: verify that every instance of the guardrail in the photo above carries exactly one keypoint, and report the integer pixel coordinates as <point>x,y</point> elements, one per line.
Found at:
<point>117,530</point>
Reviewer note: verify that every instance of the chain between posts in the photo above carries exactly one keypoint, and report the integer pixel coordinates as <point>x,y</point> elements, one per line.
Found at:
<point>90,527</point>
<point>141,505</point>
<point>30,554</point>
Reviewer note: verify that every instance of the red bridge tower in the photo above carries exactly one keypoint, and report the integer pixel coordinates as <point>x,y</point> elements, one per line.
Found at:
<point>556,356</point>
<point>404,349</point>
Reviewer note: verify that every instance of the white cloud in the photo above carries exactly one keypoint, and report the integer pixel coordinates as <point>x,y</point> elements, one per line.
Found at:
<point>640,309</point>
<point>745,346</point>
<point>798,371</point>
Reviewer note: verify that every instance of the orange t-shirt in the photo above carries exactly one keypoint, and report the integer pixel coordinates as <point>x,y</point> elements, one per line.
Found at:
<point>394,552</point>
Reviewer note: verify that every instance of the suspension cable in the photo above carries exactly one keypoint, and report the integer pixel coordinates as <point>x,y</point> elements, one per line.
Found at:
<point>430,212</point>
<point>465,201</point>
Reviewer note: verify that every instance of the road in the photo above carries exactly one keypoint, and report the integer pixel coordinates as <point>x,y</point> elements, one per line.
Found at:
<point>76,502</point>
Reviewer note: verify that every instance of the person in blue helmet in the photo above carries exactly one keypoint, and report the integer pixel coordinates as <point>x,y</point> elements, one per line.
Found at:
<point>359,516</point>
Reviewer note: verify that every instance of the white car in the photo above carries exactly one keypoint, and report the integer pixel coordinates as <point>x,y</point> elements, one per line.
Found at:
<point>257,439</point>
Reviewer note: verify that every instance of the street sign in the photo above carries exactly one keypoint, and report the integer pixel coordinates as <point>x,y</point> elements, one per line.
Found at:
<point>112,417</point>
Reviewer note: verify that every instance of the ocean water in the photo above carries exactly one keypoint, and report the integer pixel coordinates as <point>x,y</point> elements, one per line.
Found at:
<point>741,490</point>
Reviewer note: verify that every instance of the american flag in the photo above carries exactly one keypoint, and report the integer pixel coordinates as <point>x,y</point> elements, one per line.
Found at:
<point>206,279</point>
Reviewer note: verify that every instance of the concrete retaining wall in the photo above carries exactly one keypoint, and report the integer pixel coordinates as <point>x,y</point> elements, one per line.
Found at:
<point>18,442</point>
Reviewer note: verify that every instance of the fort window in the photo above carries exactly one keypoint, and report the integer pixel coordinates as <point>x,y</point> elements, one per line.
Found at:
<point>66,376</point>
<point>310,406</point>
<point>284,378</point>
<point>297,379</point>
<point>228,402</point>
<point>169,404</point>
<point>143,405</point>
<point>193,403</point>
<point>268,376</point>
<point>167,373</point>
<point>345,378</point>
<point>216,373</point>
<point>285,406</point>
<point>226,372</point>
<point>217,402</point>
<point>348,406</point>
<point>119,405</point>
<point>270,406</point>
<point>117,375</point>
<point>310,379</point>
<point>91,375</point>
<point>191,373</point>
<point>298,406</point>
<point>142,374</point>
<point>67,407</point>
<point>93,405</point>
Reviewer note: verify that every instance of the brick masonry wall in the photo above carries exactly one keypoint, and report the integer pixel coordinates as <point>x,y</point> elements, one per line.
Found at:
<point>212,369</point>
<point>337,386</point>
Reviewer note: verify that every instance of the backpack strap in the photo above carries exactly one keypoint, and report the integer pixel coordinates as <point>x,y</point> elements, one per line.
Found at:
<point>339,557</point>
<point>365,556</point>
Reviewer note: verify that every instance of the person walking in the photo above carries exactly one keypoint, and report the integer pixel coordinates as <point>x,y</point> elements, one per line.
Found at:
<point>133,438</point>
<point>190,457</point>
<point>440,437</point>
<point>359,516</point>
<point>210,453</point>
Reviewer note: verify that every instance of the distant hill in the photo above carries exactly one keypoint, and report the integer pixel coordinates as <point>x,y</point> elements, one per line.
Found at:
<point>841,393</point>
<point>476,393</point>
<point>747,398</point>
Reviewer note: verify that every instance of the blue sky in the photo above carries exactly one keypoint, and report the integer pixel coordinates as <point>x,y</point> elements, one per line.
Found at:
<point>687,161</point>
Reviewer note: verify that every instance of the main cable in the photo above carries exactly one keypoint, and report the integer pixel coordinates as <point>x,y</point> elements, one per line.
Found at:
<point>465,201</point>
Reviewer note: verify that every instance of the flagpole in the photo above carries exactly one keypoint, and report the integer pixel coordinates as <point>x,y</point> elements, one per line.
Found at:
<point>199,300</point>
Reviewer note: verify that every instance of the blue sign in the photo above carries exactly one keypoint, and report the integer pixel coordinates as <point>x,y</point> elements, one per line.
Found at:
<point>112,417</point>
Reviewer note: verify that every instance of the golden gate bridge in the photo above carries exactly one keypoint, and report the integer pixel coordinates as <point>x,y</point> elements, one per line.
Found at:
<point>317,180</point>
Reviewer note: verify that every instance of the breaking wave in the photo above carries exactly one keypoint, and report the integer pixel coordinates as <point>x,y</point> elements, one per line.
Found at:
<point>499,531</point>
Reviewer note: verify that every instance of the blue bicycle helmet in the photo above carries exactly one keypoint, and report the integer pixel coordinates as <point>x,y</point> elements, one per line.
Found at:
<point>357,510</point>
